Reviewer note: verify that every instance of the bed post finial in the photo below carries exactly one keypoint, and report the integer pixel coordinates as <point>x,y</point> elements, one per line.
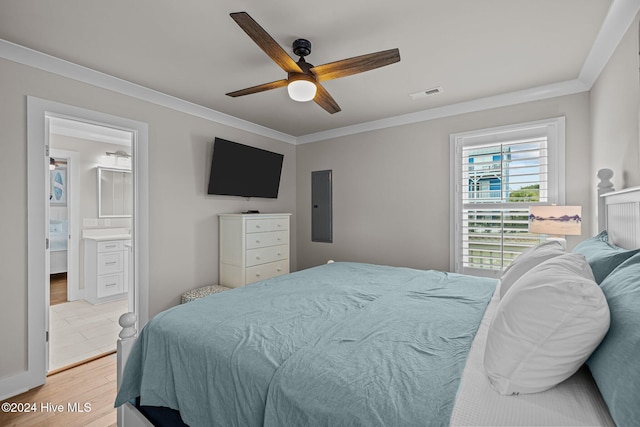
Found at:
<point>126,413</point>
<point>605,183</point>
<point>128,322</point>
<point>128,336</point>
<point>604,186</point>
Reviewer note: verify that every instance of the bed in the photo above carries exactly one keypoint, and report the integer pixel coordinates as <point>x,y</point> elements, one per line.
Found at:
<point>355,344</point>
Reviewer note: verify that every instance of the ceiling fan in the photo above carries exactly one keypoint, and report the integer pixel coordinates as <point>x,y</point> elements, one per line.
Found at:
<point>303,79</point>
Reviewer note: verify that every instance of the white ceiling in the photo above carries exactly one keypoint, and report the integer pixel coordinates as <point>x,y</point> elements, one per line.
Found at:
<point>192,50</point>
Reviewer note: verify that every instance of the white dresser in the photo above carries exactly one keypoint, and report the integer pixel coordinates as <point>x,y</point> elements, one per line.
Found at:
<point>106,270</point>
<point>253,247</point>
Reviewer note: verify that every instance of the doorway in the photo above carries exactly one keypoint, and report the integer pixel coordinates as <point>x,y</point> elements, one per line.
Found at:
<point>38,113</point>
<point>81,327</point>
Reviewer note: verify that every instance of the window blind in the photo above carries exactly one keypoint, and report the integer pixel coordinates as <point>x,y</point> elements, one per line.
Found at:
<point>498,183</point>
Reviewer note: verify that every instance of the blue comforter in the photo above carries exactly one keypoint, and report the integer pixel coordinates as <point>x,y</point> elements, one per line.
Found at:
<point>342,344</point>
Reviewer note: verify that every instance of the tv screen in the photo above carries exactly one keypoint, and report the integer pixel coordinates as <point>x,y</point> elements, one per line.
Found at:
<point>240,170</point>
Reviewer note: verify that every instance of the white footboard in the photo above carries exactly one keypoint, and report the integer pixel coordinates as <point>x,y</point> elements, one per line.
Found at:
<point>128,415</point>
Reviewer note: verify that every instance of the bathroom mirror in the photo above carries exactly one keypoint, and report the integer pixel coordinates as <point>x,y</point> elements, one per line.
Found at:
<point>115,193</point>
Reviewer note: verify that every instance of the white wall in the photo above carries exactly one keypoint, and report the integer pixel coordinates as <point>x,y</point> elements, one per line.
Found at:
<point>615,102</point>
<point>183,222</point>
<point>391,187</point>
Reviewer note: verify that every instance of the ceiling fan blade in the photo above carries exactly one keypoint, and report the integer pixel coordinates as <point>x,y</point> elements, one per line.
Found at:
<point>266,42</point>
<point>355,65</point>
<point>325,100</point>
<point>260,88</point>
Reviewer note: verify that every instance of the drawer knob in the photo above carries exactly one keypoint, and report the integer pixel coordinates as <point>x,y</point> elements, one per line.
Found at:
<point>257,257</point>
<point>278,269</point>
<point>278,254</point>
<point>257,274</point>
<point>257,226</point>
<point>110,284</point>
<point>257,241</point>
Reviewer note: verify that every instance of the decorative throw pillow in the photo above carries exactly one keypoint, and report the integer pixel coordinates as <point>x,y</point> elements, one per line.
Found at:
<point>526,261</point>
<point>545,327</point>
<point>615,364</point>
<point>602,255</point>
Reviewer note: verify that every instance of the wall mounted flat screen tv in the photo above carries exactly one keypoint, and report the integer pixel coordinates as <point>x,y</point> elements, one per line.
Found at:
<point>240,170</point>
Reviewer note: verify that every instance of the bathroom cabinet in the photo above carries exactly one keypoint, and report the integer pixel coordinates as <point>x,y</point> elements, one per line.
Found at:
<point>106,272</point>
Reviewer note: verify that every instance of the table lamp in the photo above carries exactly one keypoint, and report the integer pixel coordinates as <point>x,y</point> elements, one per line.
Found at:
<point>555,221</point>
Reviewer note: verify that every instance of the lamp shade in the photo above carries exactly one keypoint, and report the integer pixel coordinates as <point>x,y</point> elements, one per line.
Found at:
<point>301,88</point>
<point>555,220</point>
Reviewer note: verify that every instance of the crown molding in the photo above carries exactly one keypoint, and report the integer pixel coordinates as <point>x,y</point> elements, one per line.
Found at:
<point>569,87</point>
<point>619,18</point>
<point>42,61</point>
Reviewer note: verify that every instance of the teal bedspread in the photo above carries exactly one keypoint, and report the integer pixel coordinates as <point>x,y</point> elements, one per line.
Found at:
<point>343,344</point>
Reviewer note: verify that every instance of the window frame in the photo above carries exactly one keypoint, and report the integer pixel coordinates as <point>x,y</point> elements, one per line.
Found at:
<point>553,129</point>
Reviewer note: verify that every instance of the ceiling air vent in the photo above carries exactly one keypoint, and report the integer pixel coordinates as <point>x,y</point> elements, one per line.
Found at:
<point>426,92</point>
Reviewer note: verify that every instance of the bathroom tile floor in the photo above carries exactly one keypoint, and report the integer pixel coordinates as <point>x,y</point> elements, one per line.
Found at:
<point>79,330</point>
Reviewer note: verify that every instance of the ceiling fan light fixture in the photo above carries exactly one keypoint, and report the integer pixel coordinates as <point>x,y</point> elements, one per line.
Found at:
<point>303,80</point>
<point>301,88</point>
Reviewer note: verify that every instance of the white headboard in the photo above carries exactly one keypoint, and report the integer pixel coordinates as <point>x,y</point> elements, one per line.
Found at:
<point>619,212</point>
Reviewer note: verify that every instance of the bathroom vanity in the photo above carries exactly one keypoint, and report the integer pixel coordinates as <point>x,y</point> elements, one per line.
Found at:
<point>106,267</point>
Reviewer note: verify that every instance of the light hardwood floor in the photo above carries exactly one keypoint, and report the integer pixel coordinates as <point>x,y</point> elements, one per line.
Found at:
<point>90,387</point>
<point>58,288</point>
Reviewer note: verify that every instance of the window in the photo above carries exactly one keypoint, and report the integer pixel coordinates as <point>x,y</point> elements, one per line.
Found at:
<point>496,175</point>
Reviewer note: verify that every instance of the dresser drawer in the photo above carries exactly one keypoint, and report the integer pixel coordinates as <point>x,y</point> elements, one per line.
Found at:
<point>110,246</point>
<point>266,271</point>
<point>279,224</point>
<point>257,225</point>
<point>265,255</point>
<point>270,238</point>
<point>110,284</point>
<point>267,224</point>
<point>110,262</point>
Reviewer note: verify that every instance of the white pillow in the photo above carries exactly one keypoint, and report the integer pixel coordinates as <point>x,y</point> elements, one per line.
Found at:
<point>545,327</point>
<point>527,260</point>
